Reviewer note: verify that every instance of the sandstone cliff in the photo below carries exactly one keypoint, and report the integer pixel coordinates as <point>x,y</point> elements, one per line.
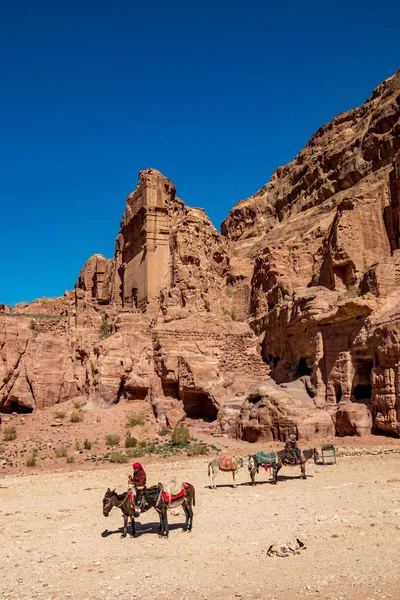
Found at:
<point>285,322</point>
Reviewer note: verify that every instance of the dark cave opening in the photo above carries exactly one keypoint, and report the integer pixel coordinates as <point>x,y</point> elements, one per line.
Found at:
<point>171,389</point>
<point>16,407</point>
<point>303,369</point>
<point>363,391</point>
<point>199,405</point>
<point>338,392</point>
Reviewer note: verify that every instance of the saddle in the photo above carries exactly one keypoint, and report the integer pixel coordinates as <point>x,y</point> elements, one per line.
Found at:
<point>269,460</point>
<point>172,490</point>
<point>228,462</point>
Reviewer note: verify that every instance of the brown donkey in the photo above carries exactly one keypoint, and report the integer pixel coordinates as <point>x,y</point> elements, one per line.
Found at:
<point>122,501</point>
<point>153,497</point>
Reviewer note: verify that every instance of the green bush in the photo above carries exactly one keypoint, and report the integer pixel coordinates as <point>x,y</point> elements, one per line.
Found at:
<point>143,444</point>
<point>118,457</point>
<point>70,460</point>
<point>134,419</point>
<point>197,449</point>
<point>136,453</point>
<point>180,435</point>
<point>164,430</point>
<point>87,444</point>
<point>61,452</point>
<point>9,434</point>
<point>59,414</point>
<point>105,328</point>
<point>113,439</point>
<point>130,442</point>
<point>76,417</point>
<point>31,460</point>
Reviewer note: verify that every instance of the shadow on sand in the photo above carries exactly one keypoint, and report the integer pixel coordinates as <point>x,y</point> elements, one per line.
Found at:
<point>141,529</point>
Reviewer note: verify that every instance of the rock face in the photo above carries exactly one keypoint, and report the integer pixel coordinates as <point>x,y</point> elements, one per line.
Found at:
<point>286,322</point>
<point>323,237</point>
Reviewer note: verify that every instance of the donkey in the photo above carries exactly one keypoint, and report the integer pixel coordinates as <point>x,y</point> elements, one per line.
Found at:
<point>268,461</point>
<point>286,459</point>
<point>230,464</point>
<point>152,498</point>
<point>122,501</point>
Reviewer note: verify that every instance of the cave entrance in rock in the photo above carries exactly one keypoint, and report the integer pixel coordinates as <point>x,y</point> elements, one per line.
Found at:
<point>338,393</point>
<point>303,369</point>
<point>362,388</point>
<point>362,392</point>
<point>199,405</point>
<point>135,393</point>
<point>16,407</point>
<point>343,276</point>
<point>171,389</point>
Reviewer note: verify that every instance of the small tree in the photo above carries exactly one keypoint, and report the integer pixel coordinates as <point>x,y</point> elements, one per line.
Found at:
<point>180,435</point>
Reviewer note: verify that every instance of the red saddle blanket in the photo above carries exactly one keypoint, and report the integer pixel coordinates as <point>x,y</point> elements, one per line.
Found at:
<point>167,498</point>
<point>227,462</point>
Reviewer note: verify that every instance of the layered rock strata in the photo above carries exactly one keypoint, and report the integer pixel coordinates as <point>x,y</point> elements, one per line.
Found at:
<point>286,322</point>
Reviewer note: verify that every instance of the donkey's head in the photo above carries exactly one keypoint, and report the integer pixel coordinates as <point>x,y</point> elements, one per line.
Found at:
<point>107,503</point>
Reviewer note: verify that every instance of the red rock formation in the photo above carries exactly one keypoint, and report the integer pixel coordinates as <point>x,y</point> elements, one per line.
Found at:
<point>286,322</point>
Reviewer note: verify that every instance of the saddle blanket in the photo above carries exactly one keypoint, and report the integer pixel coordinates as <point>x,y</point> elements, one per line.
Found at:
<point>290,461</point>
<point>267,459</point>
<point>170,498</point>
<point>228,462</point>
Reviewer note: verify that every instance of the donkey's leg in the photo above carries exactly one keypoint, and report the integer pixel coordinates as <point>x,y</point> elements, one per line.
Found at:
<point>213,476</point>
<point>275,475</point>
<point>303,470</point>
<point>165,523</point>
<point>234,478</point>
<point>190,511</point>
<point>185,508</point>
<point>125,525</point>
<point>133,528</point>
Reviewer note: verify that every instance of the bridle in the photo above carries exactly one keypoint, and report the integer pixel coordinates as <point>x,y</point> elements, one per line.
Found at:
<point>108,508</point>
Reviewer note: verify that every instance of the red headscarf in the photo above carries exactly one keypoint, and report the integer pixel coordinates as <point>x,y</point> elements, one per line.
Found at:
<point>137,466</point>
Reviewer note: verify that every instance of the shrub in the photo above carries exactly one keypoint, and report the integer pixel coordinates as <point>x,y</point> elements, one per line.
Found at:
<point>180,435</point>
<point>142,444</point>
<point>79,403</point>
<point>9,434</point>
<point>136,453</point>
<point>164,430</point>
<point>31,460</point>
<point>118,457</point>
<point>105,328</point>
<point>113,439</point>
<point>197,449</point>
<point>130,442</point>
<point>61,452</point>
<point>134,419</point>
<point>59,414</point>
<point>87,444</point>
<point>76,417</point>
<point>70,460</point>
<point>32,325</point>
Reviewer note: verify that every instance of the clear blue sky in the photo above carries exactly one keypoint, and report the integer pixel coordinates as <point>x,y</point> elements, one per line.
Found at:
<point>215,95</point>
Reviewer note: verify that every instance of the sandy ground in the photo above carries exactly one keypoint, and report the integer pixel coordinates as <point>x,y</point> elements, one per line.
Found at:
<point>55,542</point>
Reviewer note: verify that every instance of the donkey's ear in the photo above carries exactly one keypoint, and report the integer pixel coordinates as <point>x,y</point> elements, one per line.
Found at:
<point>108,490</point>
<point>113,491</point>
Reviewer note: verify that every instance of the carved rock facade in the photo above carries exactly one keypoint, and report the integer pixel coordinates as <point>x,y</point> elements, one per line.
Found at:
<point>285,322</point>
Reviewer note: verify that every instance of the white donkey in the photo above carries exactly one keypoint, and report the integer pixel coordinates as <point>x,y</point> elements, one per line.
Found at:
<point>230,464</point>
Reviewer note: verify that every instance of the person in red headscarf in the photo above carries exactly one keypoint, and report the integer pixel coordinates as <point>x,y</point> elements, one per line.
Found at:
<point>139,476</point>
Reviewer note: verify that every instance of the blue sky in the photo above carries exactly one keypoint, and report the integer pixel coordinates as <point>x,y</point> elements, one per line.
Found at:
<point>215,95</point>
